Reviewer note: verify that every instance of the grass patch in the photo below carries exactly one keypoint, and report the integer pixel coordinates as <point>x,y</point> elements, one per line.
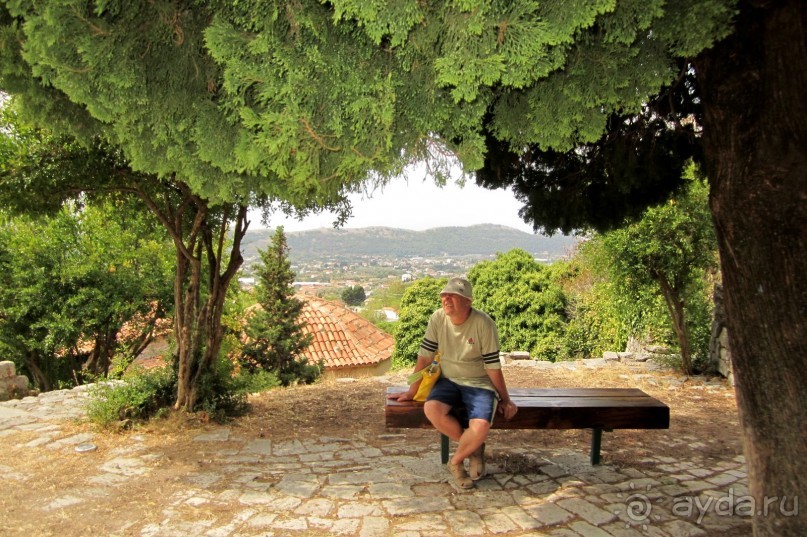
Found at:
<point>140,396</point>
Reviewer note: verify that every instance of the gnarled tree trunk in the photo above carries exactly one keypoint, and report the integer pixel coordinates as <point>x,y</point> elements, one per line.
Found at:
<point>754,89</point>
<point>200,247</point>
<point>102,352</point>
<point>41,380</point>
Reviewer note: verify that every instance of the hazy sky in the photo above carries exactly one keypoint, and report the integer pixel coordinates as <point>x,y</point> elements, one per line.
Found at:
<point>417,204</point>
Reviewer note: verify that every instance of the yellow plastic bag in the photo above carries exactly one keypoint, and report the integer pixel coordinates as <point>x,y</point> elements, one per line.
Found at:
<point>428,376</point>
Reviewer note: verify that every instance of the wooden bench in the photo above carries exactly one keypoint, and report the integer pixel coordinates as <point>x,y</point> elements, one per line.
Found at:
<point>598,409</point>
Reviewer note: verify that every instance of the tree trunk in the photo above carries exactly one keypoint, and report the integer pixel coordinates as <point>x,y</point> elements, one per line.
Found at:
<point>197,322</point>
<point>140,343</point>
<point>186,327</point>
<point>219,283</point>
<point>40,379</point>
<point>197,310</point>
<point>753,86</point>
<point>102,352</point>
<point>675,306</point>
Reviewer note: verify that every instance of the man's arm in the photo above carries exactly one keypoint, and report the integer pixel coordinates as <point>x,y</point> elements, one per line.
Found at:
<point>506,406</point>
<point>408,395</point>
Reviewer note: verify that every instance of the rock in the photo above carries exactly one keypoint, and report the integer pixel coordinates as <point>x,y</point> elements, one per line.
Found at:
<point>19,384</point>
<point>611,356</point>
<point>6,369</point>
<point>520,355</point>
<point>11,384</point>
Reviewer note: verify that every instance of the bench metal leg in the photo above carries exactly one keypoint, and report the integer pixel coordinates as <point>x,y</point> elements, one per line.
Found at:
<point>596,442</point>
<point>443,448</point>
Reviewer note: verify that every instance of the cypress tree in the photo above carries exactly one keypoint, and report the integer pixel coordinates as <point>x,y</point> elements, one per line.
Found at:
<point>275,330</point>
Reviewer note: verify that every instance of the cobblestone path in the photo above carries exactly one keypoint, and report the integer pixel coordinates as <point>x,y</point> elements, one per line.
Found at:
<point>380,486</point>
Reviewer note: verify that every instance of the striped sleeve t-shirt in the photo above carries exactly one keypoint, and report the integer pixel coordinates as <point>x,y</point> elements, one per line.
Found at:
<point>465,350</point>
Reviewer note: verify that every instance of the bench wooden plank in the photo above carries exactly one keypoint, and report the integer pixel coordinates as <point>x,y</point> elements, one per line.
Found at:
<point>576,392</point>
<point>555,408</point>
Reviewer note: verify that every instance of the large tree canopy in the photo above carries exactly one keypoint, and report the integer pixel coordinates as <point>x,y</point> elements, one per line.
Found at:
<point>141,74</point>
<point>300,100</point>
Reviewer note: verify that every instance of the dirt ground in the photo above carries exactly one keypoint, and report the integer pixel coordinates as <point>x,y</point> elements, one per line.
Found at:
<point>701,409</point>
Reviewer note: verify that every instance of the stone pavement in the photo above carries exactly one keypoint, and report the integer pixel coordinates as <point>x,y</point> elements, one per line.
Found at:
<point>382,486</point>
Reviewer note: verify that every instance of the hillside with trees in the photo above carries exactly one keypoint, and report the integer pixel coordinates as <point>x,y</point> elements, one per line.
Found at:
<point>483,239</point>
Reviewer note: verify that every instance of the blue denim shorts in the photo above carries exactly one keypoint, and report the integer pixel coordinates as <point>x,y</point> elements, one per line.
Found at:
<point>479,403</point>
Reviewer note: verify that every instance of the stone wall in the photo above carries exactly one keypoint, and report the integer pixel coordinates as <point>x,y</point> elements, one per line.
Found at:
<point>719,351</point>
<point>12,385</point>
<point>639,350</point>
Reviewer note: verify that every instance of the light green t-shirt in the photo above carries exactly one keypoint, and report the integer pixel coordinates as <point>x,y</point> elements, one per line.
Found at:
<point>467,350</point>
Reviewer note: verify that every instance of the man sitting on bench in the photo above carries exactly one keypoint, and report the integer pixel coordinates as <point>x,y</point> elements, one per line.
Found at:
<point>472,377</point>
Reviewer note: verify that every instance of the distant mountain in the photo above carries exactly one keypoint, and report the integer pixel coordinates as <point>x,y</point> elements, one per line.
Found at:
<point>483,239</point>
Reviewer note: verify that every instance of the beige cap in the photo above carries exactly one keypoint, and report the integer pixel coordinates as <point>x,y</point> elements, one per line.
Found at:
<point>458,286</point>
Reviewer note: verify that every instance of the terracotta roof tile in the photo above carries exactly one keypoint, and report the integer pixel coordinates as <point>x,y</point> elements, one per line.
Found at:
<point>340,337</point>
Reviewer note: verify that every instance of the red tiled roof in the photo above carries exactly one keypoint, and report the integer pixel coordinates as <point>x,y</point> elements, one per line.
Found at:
<point>342,338</point>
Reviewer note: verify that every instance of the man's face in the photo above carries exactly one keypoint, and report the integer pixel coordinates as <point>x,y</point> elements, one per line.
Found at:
<point>453,304</point>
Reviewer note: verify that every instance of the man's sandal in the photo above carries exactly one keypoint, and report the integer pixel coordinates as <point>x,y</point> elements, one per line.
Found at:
<point>476,464</point>
<point>460,475</point>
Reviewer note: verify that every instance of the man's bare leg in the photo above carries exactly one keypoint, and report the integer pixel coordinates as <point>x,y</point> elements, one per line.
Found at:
<point>473,437</point>
<point>468,440</point>
<point>438,414</point>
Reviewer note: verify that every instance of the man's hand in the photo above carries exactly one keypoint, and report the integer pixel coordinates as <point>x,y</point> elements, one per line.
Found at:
<point>508,409</point>
<point>401,396</point>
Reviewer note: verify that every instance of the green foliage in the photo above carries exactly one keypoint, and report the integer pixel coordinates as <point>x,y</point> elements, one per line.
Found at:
<point>656,272</point>
<point>149,82</point>
<point>603,315</point>
<point>61,171</point>
<point>700,311</point>
<point>390,327</point>
<point>139,396</point>
<point>386,296</point>
<point>274,330</point>
<point>354,295</point>
<point>527,305</point>
<point>259,381</point>
<point>300,100</point>
<point>592,325</point>
<point>419,301</point>
<point>220,392</point>
<point>73,279</point>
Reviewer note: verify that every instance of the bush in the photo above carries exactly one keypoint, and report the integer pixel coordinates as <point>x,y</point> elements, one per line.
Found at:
<point>259,381</point>
<point>521,295</point>
<point>419,301</point>
<point>301,372</point>
<point>219,394</point>
<point>138,397</point>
